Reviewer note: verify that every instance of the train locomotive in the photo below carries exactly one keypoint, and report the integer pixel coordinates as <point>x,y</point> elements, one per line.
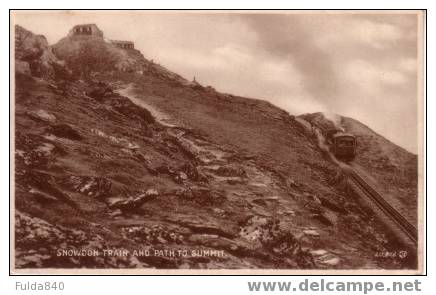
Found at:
<point>342,145</point>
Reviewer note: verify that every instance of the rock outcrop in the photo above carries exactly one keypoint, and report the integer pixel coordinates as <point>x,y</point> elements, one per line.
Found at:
<point>88,53</point>
<point>33,55</point>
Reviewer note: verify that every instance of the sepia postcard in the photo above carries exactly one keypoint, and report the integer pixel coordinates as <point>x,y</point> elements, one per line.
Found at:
<point>217,142</point>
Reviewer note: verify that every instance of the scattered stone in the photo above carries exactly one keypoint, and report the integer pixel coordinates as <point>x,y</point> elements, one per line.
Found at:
<point>319,252</point>
<point>155,235</point>
<point>97,187</point>
<point>180,177</point>
<point>268,234</point>
<point>190,171</point>
<point>133,203</point>
<point>45,149</point>
<point>231,171</point>
<point>115,213</point>
<point>201,195</point>
<point>218,211</point>
<point>331,261</point>
<point>37,243</point>
<point>289,212</point>
<point>311,232</point>
<point>312,198</point>
<point>42,115</point>
<point>151,192</point>
<point>99,90</point>
<point>292,183</point>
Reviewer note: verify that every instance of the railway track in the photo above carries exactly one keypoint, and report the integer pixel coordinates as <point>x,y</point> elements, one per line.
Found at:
<point>405,226</point>
<point>374,197</point>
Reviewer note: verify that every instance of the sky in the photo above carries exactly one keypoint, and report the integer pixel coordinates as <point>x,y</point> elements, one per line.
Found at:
<point>362,66</point>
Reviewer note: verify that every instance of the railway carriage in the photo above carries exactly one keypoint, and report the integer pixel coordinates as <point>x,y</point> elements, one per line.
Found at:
<point>343,146</point>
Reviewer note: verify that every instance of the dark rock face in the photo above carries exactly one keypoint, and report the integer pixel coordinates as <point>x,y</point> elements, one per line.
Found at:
<point>64,131</point>
<point>201,195</point>
<point>126,107</point>
<point>33,54</point>
<point>99,90</point>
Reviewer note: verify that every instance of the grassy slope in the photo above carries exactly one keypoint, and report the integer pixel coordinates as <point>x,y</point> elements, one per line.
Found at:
<point>391,168</point>
<point>254,127</point>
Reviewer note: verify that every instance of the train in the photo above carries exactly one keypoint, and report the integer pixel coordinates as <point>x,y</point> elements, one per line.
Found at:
<point>342,145</point>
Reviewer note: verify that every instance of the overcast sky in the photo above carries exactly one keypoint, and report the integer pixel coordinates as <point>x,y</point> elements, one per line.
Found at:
<point>358,65</point>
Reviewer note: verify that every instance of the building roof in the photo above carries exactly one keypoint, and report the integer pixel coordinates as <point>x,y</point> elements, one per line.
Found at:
<point>85,25</point>
<point>120,41</point>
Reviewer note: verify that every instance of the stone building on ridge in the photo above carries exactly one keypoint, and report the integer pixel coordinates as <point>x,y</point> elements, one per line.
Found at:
<point>123,44</point>
<point>86,29</point>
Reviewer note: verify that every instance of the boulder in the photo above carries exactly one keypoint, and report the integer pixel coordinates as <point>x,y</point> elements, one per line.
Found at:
<point>64,131</point>
<point>231,171</point>
<point>180,177</point>
<point>155,235</point>
<point>97,187</point>
<point>311,232</point>
<point>35,51</point>
<point>126,107</point>
<point>99,90</point>
<point>323,218</point>
<point>22,67</point>
<point>41,115</point>
<point>269,235</point>
<point>135,202</point>
<point>331,261</point>
<point>319,252</point>
<point>201,195</point>
<point>312,198</point>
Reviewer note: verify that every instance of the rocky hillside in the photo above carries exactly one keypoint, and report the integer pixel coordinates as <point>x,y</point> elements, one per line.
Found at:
<point>147,161</point>
<point>392,170</point>
<point>87,55</point>
<point>33,55</point>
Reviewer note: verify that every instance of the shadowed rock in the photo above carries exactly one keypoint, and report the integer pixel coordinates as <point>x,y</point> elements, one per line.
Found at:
<point>133,203</point>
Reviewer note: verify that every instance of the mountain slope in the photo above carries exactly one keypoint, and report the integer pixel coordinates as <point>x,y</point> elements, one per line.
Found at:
<point>33,55</point>
<point>392,170</point>
<point>151,162</point>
